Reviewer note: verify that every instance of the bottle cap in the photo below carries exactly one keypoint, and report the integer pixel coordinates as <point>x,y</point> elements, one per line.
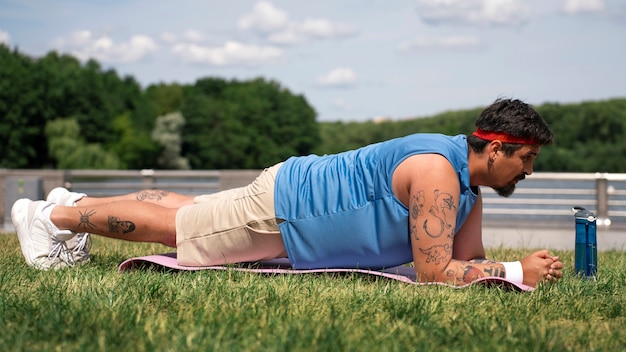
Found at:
<point>582,213</point>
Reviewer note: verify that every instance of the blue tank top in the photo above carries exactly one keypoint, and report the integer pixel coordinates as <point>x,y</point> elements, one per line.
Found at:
<point>340,211</point>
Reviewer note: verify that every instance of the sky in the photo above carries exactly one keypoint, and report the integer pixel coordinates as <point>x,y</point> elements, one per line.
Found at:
<point>353,60</point>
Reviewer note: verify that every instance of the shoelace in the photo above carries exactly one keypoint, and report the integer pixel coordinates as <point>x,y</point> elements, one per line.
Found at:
<point>84,242</point>
<point>61,252</point>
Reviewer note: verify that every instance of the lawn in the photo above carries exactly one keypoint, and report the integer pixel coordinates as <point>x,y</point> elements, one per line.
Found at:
<point>94,308</point>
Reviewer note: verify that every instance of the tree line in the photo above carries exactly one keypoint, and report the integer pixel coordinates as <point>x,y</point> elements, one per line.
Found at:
<point>589,136</point>
<point>57,112</point>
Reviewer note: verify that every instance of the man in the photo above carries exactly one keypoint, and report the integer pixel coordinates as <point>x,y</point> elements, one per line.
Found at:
<point>415,198</point>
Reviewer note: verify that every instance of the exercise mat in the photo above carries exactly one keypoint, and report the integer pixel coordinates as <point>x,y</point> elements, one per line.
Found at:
<point>281,266</point>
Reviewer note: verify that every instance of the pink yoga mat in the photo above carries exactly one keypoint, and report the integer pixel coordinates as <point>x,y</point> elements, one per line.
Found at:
<point>282,266</point>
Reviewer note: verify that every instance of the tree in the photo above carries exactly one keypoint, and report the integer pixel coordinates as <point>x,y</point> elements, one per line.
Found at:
<point>22,111</point>
<point>134,147</point>
<point>167,134</point>
<point>166,98</point>
<point>250,124</point>
<point>71,152</point>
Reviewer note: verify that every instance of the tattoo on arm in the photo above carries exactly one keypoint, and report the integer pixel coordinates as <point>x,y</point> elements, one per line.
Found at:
<point>152,194</point>
<point>438,253</point>
<point>119,226</point>
<point>414,232</point>
<point>418,205</point>
<point>494,271</point>
<point>471,273</point>
<point>443,209</point>
<point>84,220</point>
<point>417,210</point>
<point>482,261</point>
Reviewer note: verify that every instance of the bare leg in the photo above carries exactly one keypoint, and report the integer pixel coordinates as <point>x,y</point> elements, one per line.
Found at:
<point>163,198</point>
<point>130,220</point>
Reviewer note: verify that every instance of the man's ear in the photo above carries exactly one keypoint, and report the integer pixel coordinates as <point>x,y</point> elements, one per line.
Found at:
<point>494,147</point>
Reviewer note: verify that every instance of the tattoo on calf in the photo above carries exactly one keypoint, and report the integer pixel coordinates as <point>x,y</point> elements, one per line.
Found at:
<point>119,226</point>
<point>84,220</point>
<point>152,194</point>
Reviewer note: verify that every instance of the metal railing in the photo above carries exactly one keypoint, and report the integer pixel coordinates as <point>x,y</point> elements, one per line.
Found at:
<point>549,197</point>
<point>540,199</point>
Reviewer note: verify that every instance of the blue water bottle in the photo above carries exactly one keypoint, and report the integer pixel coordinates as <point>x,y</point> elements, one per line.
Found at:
<point>586,254</point>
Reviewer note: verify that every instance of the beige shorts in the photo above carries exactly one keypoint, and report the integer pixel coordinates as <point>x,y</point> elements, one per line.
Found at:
<point>232,226</point>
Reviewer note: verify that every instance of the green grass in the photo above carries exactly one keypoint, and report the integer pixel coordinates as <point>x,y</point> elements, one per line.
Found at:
<point>93,308</point>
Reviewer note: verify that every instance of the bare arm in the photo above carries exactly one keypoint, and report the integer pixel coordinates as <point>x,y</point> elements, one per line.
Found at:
<point>439,255</point>
<point>433,224</point>
<point>468,241</point>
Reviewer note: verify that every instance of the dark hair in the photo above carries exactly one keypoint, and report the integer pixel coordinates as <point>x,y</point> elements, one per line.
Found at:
<point>515,118</point>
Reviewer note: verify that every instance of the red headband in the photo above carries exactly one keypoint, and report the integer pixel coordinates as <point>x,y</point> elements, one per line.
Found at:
<point>502,137</point>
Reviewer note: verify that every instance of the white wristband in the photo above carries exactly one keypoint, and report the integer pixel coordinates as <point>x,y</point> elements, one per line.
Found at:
<point>514,272</point>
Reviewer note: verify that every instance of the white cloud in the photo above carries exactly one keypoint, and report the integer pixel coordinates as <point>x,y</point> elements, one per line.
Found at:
<point>231,53</point>
<point>474,12</point>
<point>450,43</point>
<point>168,37</point>
<point>340,104</point>
<point>85,45</point>
<point>5,38</point>
<point>323,28</point>
<point>193,36</point>
<point>265,17</point>
<point>274,23</point>
<point>289,36</point>
<point>339,77</point>
<point>309,29</point>
<point>572,7</point>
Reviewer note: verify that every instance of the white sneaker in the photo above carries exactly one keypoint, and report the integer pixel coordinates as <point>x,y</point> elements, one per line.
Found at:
<point>81,244</point>
<point>42,246</point>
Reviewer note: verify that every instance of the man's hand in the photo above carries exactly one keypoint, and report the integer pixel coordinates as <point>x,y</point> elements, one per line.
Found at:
<point>541,266</point>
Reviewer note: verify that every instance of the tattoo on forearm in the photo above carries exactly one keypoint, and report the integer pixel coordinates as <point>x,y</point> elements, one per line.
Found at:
<point>84,220</point>
<point>119,226</point>
<point>152,194</point>
<point>438,253</point>
<point>443,209</point>
<point>494,271</point>
<point>471,273</point>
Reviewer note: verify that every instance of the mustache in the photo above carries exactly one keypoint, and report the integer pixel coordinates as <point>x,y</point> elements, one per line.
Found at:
<point>521,177</point>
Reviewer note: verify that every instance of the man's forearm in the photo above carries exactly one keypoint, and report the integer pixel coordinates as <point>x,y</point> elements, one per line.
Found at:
<point>460,272</point>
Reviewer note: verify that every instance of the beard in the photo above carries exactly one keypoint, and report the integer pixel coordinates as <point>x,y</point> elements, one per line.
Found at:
<point>506,191</point>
